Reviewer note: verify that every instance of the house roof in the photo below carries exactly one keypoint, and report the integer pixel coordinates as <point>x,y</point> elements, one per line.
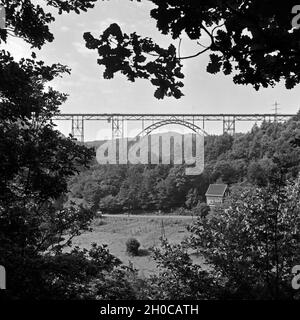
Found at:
<point>216,190</point>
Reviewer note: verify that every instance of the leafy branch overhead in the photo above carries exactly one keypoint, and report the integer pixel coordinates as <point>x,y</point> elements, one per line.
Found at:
<point>252,40</point>
<point>28,20</point>
<point>137,57</point>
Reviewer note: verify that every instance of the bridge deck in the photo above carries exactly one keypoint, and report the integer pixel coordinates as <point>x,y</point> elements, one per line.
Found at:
<point>117,120</point>
<point>187,117</point>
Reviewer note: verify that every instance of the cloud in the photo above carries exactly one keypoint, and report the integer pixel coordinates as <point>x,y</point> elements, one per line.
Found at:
<point>82,49</point>
<point>65,29</point>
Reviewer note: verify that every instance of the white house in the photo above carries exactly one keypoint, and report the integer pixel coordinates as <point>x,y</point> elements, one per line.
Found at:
<point>216,194</point>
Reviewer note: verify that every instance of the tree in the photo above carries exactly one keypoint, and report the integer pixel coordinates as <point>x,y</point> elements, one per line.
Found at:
<point>216,146</point>
<point>253,242</point>
<point>179,278</point>
<point>225,171</point>
<point>29,21</point>
<point>252,39</point>
<point>259,172</point>
<point>130,188</point>
<point>202,210</point>
<point>36,163</point>
<point>192,198</point>
<point>110,204</point>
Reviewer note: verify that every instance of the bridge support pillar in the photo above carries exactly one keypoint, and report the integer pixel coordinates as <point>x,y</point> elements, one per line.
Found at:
<point>117,126</point>
<point>229,125</point>
<point>78,128</point>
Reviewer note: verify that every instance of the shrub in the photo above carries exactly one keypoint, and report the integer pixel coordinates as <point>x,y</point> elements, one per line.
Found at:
<point>202,210</point>
<point>132,246</point>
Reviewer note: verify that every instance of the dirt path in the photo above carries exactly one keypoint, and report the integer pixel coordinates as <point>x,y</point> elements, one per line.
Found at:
<point>154,216</point>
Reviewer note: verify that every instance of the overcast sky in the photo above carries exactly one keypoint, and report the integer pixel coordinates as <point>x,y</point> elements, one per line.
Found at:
<point>90,93</point>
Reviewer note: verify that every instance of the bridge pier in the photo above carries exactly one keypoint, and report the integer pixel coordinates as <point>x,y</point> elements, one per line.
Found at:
<point>78,128</point>
<point>117,127</point>
<point>229,125</point>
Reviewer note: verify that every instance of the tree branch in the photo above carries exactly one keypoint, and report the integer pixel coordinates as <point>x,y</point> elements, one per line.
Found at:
<point>194,55</point>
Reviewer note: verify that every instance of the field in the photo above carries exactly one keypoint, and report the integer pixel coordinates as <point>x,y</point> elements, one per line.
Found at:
<point>115,230</point>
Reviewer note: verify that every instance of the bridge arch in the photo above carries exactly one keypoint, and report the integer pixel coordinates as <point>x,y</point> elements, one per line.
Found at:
<point>162,123</point>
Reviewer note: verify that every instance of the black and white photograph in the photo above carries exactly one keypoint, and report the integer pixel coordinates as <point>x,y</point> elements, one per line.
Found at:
<point>149,154</point>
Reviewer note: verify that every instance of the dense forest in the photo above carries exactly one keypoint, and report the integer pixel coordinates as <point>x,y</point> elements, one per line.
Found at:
<point>243,159</point>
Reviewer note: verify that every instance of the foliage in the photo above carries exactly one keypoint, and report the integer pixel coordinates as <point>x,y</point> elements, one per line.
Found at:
<point>139,188</point>
<point>110,204</point>
<point>163,72</point>
<point>30,22</point>
<point>36,163</point>
<point>253,242</point>
<point>202,210</point>
<point>179,278</point>
<point>249,245</point>
<point>252,40</point>
<point>132,246</point>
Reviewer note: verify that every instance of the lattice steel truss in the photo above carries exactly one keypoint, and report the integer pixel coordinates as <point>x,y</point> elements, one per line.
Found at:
<point>191,121</point>
<point>78,128</point>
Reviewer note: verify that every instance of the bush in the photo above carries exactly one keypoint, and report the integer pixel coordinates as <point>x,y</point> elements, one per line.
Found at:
<point>255,233</point>
<point>202,210</point>
<point>132,246</point>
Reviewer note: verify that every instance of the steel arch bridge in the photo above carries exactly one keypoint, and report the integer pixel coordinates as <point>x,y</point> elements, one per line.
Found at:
<point>160,124</point>
<point>195,122</point>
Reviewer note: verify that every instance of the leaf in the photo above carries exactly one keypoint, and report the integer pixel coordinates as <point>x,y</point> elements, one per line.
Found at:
<point>159,94</point>
<point>214,66</point>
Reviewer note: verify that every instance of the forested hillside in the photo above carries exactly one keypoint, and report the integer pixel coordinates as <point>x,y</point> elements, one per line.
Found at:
<point>251,158</point>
